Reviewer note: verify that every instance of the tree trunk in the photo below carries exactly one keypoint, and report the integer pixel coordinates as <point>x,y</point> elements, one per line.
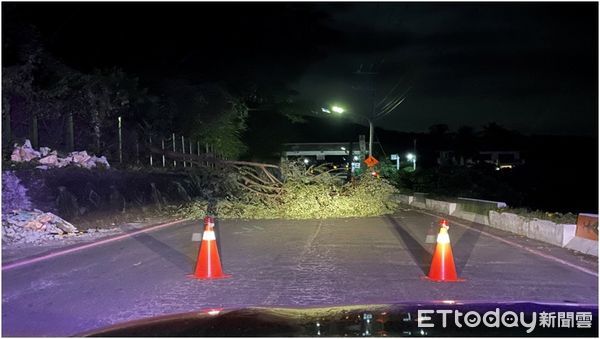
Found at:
<point>96,125</point>
<point>34,131</point>
<point>70,133</point>
<point>7,131</point>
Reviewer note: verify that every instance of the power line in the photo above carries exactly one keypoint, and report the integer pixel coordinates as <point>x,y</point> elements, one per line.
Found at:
<point>393,104</point>
<point>390,92</point>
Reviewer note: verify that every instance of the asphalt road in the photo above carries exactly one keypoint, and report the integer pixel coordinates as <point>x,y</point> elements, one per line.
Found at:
<point>285,263</point>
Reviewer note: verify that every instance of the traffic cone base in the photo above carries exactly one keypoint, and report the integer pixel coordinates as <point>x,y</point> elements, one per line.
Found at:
<point>208,264</point>
<point>224,276</point>
<point>440,281</point>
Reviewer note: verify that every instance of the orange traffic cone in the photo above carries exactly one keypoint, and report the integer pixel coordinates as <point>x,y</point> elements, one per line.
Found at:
<point>442,265</point>
<point>208,265</point>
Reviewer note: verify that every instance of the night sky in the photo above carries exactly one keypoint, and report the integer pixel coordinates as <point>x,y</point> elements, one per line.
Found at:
<point>532,67</point>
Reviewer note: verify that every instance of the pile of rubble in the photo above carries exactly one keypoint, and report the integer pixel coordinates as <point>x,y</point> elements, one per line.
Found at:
<point>48,158</point>
<point>21,226</point>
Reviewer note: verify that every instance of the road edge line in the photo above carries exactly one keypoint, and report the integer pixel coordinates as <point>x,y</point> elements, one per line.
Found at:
<point>35,259</point>
<point>512,243</point>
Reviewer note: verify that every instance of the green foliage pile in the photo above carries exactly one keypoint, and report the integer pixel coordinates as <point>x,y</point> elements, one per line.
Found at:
<point>308,194</point>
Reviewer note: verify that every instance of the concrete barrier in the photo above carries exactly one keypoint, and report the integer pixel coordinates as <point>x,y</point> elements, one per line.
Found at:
<point>509,222</point>
<point>491,203</point>
<point>420,197</point>
<point>550,232</point>
<point>538,229</point>
<point>478,206</point>
<point>568,233</point>
<point>583,245</point>
<point>474,217</point>
<point>405,199</point>
<point>476,210</point>
<point>483,212</point>
<point>418,204</point>
<point>440,206</point>
<point>419,200</point>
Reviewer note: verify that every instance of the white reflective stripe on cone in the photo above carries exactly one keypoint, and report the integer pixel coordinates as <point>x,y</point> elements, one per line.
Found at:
<point>209,235</point>
<point>443,238</point>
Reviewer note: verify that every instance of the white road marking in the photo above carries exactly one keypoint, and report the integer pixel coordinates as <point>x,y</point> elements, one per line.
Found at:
<point>25,262</point>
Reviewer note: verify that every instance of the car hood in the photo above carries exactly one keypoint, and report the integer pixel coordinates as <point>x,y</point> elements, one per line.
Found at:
<point>436,318</point>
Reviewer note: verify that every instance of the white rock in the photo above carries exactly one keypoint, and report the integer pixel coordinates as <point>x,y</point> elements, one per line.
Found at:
<point>90,163</point>
<point>33,226</point>
<point>102,160</point>
<point>49,160</point>
<point>24,153</point>
<point>44,151</point>
<point>16,155</point>
<point>62,162</point>
<point>79,157</point>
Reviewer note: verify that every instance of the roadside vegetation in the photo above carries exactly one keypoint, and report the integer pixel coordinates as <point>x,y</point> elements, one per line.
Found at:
<point>449,182</point>
<point>559,218</point>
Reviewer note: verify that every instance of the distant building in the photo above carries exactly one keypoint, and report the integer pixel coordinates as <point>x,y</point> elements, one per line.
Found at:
<point>342,154</point>
<point>316,153</point>
<point>501,159</point>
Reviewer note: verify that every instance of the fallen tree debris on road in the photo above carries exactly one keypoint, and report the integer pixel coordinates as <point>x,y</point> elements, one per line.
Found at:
<point>303,193</point>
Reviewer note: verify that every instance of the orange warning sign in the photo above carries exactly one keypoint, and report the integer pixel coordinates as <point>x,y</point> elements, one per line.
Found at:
<point>371,161</point>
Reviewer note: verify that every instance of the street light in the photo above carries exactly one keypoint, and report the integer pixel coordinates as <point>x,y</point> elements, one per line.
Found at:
<point>413,158</point>
<point>338,109</point>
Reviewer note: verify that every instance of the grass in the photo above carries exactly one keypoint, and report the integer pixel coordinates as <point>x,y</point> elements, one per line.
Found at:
<point>559,218</point>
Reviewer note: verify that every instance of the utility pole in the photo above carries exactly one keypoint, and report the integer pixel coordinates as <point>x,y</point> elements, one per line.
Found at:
<point>371,88</point>
<point>415,154</point>
<point>370,137</point>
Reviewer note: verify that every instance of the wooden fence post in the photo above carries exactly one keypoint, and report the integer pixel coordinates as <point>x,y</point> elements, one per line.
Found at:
<point>206,146</point>
<point>174,162</point>
<point>190,142</point>
<point>163,151</point>
<point>151,160</point>
<point>183,149</point>
<point>121,141</point>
